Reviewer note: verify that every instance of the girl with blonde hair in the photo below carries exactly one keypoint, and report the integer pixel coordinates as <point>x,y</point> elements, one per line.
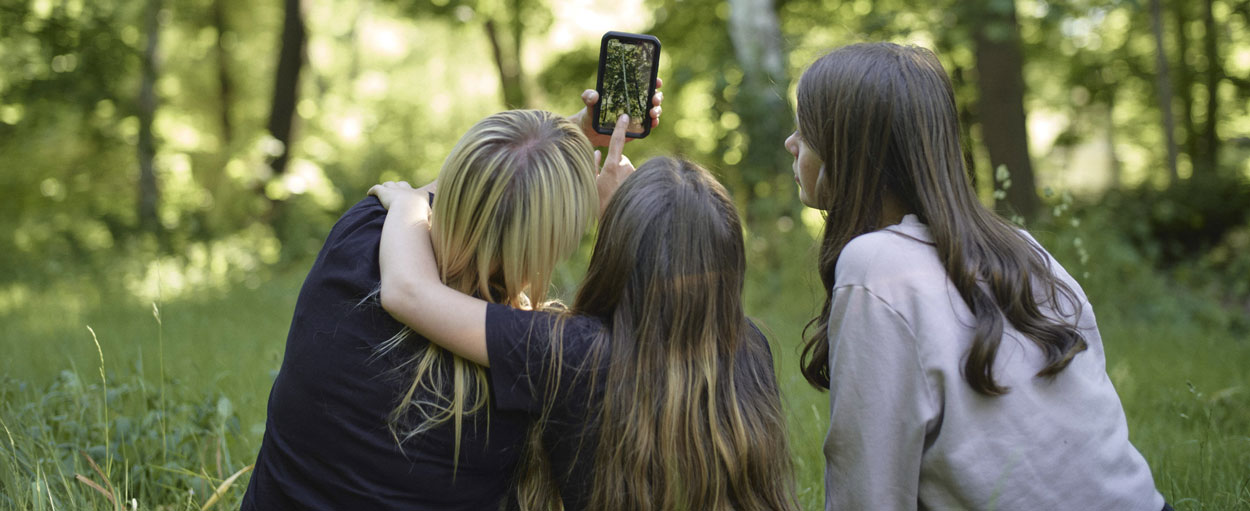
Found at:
<point>365,415</point>
<point>652,391</point>
<point>964,365</point>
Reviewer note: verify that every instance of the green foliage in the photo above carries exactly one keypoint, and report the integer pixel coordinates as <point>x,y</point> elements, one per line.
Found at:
<point>182,413</point>
<point>124,437</point>
<point>69,130</point>
<point>388,89</point>
<point>1173,352</point>
<point>1196,232</point>
<point>68,102</point>
<point>1185,219</point>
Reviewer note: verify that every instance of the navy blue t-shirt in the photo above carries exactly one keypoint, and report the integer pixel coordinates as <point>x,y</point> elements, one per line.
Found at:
<point>518,345</point>
<point>326,443</point>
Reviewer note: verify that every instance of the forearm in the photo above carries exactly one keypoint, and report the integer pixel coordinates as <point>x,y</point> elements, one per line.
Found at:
<point>413,293</point>
<point>405,254</point>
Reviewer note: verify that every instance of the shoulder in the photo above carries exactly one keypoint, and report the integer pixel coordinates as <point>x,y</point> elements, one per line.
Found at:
<point>1061,277</point>
<point>350,252</point>
<point>358,232</point>
<point>885,258</point>
<point>507,317</point>
<point>756,339</point>
<point>531,330</point>
<point>755,356</point>
<point>536,345</point>
<point>368,214</point>
<point>1051,264</point>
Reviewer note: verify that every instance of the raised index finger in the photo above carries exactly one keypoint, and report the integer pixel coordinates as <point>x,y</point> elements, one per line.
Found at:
<point>617,145</point>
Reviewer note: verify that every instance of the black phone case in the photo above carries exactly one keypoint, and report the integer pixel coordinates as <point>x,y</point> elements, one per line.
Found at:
<point>655,70</point>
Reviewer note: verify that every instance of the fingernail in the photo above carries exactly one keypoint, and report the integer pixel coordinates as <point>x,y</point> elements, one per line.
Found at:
<point>624,118</point>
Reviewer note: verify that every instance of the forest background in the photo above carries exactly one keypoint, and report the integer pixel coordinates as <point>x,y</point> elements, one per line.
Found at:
<point>168,170</point>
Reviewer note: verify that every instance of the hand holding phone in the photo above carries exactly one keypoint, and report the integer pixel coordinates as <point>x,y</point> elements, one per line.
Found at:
<point>628,66</point>
<point>584,118</point>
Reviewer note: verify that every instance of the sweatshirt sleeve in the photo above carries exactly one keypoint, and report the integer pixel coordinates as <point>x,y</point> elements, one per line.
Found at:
<point>879,406</point>
<point>517,344</point>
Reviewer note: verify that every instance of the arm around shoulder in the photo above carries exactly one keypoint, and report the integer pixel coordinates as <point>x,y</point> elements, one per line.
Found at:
<point>412,291</point>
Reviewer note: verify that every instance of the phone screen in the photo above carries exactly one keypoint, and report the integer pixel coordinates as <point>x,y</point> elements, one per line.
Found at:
<point>627,81</point>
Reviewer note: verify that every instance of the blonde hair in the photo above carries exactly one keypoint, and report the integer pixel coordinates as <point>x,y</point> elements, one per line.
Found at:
<point>514,198</point>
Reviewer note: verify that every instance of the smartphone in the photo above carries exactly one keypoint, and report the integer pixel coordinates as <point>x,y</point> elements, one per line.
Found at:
<point>628,66</point>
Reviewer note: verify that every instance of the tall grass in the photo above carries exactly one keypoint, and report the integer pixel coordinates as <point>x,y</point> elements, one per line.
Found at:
<point>91,421</point>
<point>183,410</point>
<point>71,444</point>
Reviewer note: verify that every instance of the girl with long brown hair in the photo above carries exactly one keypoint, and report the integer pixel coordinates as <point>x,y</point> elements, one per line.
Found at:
<point>652,391</point>
<point>964,365</point>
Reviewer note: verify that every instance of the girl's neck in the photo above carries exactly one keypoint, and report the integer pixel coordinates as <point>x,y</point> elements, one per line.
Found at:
<point>892,211</point>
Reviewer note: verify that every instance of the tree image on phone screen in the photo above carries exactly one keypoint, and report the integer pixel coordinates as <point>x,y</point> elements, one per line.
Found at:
<point>626,71</point>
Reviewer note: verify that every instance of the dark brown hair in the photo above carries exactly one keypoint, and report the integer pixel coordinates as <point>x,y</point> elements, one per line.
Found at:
<point>691,414</point>
<point>882,118</point>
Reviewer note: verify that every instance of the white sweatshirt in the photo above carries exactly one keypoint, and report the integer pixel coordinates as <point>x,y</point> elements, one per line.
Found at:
<point>908,432</point>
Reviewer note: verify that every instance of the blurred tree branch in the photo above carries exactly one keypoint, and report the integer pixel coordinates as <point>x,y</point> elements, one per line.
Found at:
<point>223,72</point>
<point>149,192</point>
<point>1000,81</point>
<point>508,63</point>
<point>506,24</point>
<point>1164,84</point>
<point>1185,78</point>
<point>286,81</point>
<point>761,100</point>
<point>1210,155</point>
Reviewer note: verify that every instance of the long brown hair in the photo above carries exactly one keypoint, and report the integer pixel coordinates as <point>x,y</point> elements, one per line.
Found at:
<point>690,417</point>
<point>882,118</point>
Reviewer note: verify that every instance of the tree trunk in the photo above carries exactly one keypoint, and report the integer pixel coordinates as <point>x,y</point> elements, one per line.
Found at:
<point>1214,73</point>
<point>223,74</point>
<point>1163,80</point>
<point>508,60</point>
<point>1116,168</point>
<point>966,119</point>
<point>1000,84</point>
<point>517,96</point>
<point>765,113</point>
<point>1185,81</point>
<point>286,82</point>
<point>149,192</point>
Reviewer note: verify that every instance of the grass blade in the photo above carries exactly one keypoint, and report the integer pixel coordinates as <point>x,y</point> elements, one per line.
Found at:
<point>225,485</point>
<point>96,486</point>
